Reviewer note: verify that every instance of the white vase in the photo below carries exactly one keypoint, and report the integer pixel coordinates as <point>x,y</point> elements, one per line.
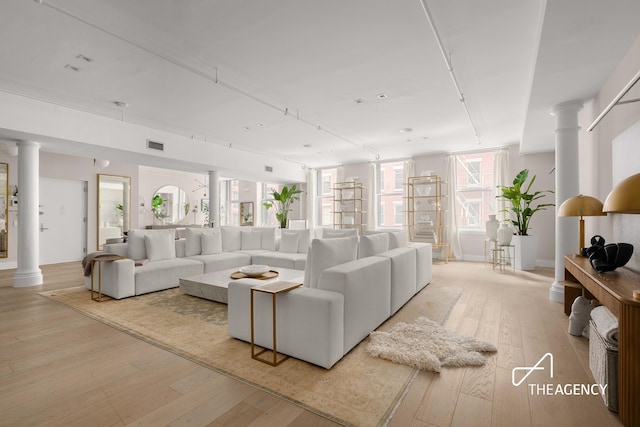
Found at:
<point>505,234</point>
<point>492,227</point>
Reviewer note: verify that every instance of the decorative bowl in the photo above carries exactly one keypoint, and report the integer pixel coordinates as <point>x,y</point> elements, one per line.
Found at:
<point>254,270</point>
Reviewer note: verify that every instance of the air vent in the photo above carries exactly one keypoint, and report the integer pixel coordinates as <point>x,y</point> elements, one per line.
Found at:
<point>268,168</point>
<point>155,145</point>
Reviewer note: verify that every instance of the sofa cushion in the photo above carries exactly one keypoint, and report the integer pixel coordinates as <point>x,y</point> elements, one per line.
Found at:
<point>304,238</point>
<point>398,239</point>
<point>136,247</point>
<point>292,261</point>
<point>211,243</point>
<point>231,238</point>
<point>373,244</point>
<point>159,246</point>
<point>328,233</point>
<point>250,239</point>
<point>289,243</point>
<point>222,261</point>
<point>160,275</point>
<point>194,241</point>
<point>268,240</point>
<point>327,253</point>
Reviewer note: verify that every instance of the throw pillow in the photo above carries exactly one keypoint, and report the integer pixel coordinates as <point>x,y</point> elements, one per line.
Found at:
<point>328,233</point>
<point>193,245</point>
<point>231,238</point>
<point>327,253</point>
<point>250,240</point>
<point>136,246</point>
<point>268,237</point>
<point>159,246</point>
<point>373,244</point>
<point>211,243</point>
<point>289,243</point>
<point>398,239</point>
<point>303,239</point>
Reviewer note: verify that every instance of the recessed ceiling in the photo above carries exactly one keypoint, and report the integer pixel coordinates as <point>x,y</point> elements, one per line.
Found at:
<point>342,77</point>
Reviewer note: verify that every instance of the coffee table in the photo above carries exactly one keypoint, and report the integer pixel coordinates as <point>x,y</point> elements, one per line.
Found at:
<point>214,286</point>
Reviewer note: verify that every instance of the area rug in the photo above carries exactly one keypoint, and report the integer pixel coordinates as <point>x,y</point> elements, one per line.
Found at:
<point>425,344</point>
<point>359,390</point>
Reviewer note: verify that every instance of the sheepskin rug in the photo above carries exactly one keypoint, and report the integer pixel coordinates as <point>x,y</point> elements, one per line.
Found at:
<point>427,345</point>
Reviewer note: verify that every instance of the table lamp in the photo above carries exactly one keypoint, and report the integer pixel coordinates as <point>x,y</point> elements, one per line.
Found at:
<point>625,197</point>
<point>581,206</point>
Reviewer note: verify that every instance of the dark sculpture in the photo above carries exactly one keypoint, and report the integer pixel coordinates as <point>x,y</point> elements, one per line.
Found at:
<point>607,257</point>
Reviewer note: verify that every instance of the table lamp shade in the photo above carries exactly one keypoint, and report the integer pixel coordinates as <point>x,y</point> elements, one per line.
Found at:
<point>625,197</point>
<point>581,206</point>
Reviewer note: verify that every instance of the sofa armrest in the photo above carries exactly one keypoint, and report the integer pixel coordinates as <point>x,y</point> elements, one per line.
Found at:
<point>116,248</point>
<point>117,278</point>
<point>309,321</point>
<point>366,286</point>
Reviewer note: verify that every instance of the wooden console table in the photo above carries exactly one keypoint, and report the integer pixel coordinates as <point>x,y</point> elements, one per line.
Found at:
<point>614,290</point>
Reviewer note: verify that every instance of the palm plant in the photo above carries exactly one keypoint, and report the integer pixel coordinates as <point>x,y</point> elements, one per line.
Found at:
<point>282,202</point>
<point>521,201</point>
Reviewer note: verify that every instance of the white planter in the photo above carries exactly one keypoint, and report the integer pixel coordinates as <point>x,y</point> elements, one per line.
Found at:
<point>526,248</point>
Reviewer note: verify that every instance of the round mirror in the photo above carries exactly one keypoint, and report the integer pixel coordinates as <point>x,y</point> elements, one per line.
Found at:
<point>170,204</point>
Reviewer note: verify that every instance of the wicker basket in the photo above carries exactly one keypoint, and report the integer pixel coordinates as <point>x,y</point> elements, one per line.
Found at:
<point>603,361</point>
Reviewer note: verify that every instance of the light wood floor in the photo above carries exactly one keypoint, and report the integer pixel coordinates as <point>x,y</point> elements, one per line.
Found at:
<point>58,367</point>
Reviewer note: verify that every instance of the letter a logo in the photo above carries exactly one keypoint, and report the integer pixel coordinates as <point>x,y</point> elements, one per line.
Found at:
<point>530,369</point>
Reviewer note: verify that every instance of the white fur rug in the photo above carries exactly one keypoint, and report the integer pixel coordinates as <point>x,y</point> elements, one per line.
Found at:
<point>427,345</point>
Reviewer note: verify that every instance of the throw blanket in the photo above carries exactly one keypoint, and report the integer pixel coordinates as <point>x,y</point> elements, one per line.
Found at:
<point>606,323</point>
<point>86,261</point>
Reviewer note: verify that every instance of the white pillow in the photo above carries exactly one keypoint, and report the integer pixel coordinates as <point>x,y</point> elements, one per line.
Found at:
<point>136,246</point>
<point>159,246</point>
<point>373,244</point>
<point>327,253</point>
<point>398,239</point>
<point>328,233</point>
<point>268,237</point>
<point>193,244</point>
<point>303,239</point>
<point>231,238</point>
<point>211,243</point>
<point>289,243</point>
<point>250,239</point>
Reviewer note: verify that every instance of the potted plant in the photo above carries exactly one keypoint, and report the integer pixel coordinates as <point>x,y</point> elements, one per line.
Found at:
<point>282,202</point>
<point>524,203</point>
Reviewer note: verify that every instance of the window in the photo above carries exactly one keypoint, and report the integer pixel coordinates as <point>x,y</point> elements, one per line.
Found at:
<point>229,202</point>
<point>474,191</point>
<point>324,201</point>
<point>268,216</point>
<point>390,183</point>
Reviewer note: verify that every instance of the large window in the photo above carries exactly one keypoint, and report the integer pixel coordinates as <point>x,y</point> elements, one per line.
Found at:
<point>324,201</point>
<point>389,202</point>
<point>474,193</point>
<point>229,202</point>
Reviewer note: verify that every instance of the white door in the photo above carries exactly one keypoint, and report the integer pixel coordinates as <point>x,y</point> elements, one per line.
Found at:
<point>63,220</point>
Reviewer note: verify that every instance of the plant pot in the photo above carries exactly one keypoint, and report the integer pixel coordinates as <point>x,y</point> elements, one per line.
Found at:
<point>526,248</point>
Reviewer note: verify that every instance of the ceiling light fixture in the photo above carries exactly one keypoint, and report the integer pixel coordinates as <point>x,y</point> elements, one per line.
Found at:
<point>72,68</point>
<point>447,60</point>
<point>101,163</point>
<point>84,58</point>
<point>120,104</point>
<point>406,130</point>
<point>359,101</point>
<point>307,145</point>
<point>382,96</point>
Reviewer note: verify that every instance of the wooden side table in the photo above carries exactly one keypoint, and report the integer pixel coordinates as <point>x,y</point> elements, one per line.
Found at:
<point>100,260</point>
<point>274,289</point>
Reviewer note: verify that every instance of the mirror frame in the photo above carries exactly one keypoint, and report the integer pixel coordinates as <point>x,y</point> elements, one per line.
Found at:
<point>4,195</point>
<point>184,207</point>
<point>126,216</point>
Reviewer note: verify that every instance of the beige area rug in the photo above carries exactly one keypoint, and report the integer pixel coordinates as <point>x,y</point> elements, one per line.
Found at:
<point>359,390</point>
<point>425,344</point>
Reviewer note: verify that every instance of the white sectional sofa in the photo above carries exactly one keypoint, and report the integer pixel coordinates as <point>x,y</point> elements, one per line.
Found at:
<point>156,260</point>
<point>349,288</point>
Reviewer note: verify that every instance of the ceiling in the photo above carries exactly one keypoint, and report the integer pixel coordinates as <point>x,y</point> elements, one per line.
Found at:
<point>320,82</point>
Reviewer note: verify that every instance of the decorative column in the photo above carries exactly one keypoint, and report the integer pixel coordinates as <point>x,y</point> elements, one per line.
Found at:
<point>28,272</point>
<point>214,199</point>
<point>567,185</point>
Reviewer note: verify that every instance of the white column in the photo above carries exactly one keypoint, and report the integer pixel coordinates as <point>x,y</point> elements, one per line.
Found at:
<point>567,185</point>
<point>214,199</point>
<point>28,272</point>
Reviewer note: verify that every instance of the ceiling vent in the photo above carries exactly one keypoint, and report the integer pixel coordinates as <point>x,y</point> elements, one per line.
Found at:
<point>268,168</point>
<point>155,145</point>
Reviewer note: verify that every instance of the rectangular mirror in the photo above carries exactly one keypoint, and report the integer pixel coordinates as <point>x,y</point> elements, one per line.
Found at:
<point>4,203</point>
<point>114,208</point>
<point>246,213</point>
